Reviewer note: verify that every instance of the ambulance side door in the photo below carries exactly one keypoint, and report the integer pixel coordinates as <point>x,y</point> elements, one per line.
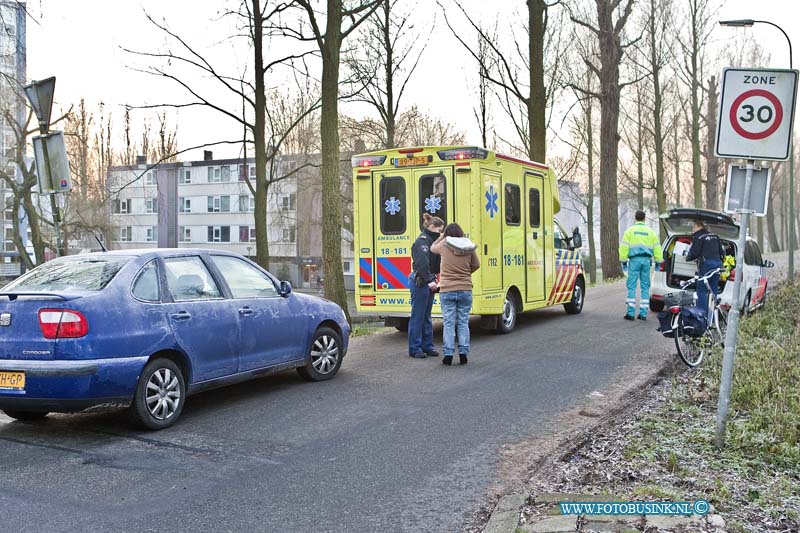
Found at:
<point>535,238</point>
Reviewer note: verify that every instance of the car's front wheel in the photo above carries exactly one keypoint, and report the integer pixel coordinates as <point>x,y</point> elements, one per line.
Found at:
<point>325,356</point>
<point>160,395</point>
<point>27,416</point>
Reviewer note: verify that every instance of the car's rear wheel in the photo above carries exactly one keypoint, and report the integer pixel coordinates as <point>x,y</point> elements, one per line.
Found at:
<point>575,305</point>
<point>507,321</point>
<point>325,356</point>
<point>27,416</point>
<point>656,306</point>
<point>160,395</point>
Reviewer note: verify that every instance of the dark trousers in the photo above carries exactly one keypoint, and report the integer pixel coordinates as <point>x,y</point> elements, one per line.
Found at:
<point>702,289</point>
<point>420,325</point>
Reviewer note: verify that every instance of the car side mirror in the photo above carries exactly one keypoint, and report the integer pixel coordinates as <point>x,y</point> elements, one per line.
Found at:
<point>286,288</point>
<point>767,264</point>
<point>577,242</point>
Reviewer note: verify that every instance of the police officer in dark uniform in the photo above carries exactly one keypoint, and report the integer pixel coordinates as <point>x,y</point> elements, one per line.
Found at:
<point>422,282</point>
<point>707,250</point>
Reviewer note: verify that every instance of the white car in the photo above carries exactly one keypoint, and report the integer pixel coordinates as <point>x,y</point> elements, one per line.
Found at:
<point>675,268</point>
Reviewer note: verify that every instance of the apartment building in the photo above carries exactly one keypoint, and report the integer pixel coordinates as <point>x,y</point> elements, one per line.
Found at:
<point>209,204</point>
<point>12,74</point>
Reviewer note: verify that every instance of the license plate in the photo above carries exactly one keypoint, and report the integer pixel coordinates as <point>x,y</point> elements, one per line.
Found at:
<point>12,380</point>
<point>410,161</point>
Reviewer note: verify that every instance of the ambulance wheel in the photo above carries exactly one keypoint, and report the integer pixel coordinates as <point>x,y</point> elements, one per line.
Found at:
<point>575,305</point>
<point>507,321</point>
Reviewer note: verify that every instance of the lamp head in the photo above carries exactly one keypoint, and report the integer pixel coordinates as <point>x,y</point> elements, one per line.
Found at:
<point>738,23</point>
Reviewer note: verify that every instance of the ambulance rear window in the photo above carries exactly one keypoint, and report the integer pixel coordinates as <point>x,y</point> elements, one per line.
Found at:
<point>393,205</point>
<point>433,197</point>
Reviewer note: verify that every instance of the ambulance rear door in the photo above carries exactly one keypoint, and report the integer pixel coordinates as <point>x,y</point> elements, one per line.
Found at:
<point>395,229</point>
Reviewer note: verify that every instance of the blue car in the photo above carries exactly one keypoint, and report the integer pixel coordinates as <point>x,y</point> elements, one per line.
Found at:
<point>146,328</point>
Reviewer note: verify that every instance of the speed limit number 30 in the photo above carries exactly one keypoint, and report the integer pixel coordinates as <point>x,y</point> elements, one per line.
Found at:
<point>756,113</point>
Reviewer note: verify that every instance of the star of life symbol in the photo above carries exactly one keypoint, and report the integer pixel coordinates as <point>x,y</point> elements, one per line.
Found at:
<point>433,203</point>
<point>491,201</point>
<point>392,205</point>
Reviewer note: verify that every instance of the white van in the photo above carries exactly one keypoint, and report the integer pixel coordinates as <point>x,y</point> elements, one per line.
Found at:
<point>675,268</point>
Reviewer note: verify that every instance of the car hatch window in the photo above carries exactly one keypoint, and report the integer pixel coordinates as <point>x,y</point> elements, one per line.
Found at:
<point>70,273</point>
<point>145,287</point>
<point>189,279</point>
<point>243,279</point>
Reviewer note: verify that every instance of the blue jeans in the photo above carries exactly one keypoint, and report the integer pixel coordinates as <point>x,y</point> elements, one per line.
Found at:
<point>638,272</point>
<point>420,325</point>
<point>455,313</point>
<point>702,290</point>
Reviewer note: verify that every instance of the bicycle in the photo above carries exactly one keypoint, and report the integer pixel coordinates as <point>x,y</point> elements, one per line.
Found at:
<point>691,346</point>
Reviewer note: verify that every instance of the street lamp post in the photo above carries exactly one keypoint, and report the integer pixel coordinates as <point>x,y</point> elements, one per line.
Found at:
<point>746,23</point>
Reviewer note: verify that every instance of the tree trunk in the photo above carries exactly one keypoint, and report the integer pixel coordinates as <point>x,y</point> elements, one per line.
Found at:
<point>537,101</point>
<point>658,134</point>
<point>610,55</point>
<point>677,164</point>
<point>772,234</point>
<point>16,236</point>
<point>590,189</point>
<point>639,156</point>
<point>694,95</point>
<point>259,138</point>
<point>388,49</point>
<point>34,224</point>
<point>331,173</point>
<point>712,163</point>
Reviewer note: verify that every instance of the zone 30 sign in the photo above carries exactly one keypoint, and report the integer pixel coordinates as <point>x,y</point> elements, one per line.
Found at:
<point>756,113</point>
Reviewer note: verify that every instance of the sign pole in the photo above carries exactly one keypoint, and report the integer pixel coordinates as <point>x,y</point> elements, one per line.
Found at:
<point>733,314</point>
<point>791,209</point>
<point>53,204</point>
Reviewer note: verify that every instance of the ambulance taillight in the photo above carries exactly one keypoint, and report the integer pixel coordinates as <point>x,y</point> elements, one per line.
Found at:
<point>364,161</point>
<point>458,154</point>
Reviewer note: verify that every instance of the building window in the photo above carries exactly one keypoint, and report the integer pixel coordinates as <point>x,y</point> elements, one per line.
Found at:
<point>122,207</point>
<point>288,202</point>
<point>288,235</point>
<point>184,205</point>
<point>252,172</point>
<point>185,176</point>
<point>252,234</point>
<point>226,173</point>
<point>185,234</point>
<point>219,204</point>
<point>513,207</point>
<point>214,175</point>
<point>152,234</point>
<point>246,203</point>
<point>347,267</point>
<point>289,166</point>
<point>151,205</point>
<point>247,234</point>
<point>219,234</point>
<point>125,234</point>
<point>150,178</point>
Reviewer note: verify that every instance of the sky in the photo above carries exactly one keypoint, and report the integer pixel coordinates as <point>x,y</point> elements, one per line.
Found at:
<point>81,42</point>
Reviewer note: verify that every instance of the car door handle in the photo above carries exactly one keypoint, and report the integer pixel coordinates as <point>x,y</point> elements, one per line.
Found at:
<point>245,311</point>
<point>535,235</point>
<point>181,315</point>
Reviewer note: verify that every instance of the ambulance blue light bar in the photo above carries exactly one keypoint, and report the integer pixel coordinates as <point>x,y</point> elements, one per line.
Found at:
<point>364,161</point>
<point>457,154</point>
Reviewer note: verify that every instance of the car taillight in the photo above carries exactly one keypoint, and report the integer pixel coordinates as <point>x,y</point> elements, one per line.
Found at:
<point>675,309</point>
<point>63,323</point>
<point>732,276</point>
<point>661,267</point>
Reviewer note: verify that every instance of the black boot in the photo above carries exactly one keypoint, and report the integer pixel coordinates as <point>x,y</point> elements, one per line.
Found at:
<point>447,360</point>
<point>462,359</point>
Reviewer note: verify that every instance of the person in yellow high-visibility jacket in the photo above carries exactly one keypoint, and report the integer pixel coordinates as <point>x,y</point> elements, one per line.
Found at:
<point>639,247</point>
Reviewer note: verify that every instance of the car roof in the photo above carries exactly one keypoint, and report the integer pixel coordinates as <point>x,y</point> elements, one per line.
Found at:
<point>160,252</point>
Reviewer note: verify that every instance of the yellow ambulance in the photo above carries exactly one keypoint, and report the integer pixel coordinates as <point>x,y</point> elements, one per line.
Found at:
<point>507,206</point>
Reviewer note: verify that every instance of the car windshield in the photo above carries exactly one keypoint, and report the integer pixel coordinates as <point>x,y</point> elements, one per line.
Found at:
<point>67,273</point>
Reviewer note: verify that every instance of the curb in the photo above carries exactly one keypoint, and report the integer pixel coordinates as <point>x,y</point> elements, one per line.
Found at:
<point>505,516</point>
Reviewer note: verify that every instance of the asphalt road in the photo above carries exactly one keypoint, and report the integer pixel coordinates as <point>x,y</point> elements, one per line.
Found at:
<point>391,444</point>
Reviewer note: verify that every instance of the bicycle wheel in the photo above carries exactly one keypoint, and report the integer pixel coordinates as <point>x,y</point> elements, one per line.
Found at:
<point>720,326</point>
<point>691,350</point>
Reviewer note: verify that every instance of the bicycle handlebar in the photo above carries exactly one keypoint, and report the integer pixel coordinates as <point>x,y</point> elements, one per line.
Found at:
<point>708,276</point>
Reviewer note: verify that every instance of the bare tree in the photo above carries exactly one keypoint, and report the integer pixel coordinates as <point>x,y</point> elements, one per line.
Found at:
<point>341,19</point>
<point>383,60</point>
<point>712,162</point>
<point>609,35</point>
<point>525,92</point>
<point>693,43</point>
<point>248,88</point>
